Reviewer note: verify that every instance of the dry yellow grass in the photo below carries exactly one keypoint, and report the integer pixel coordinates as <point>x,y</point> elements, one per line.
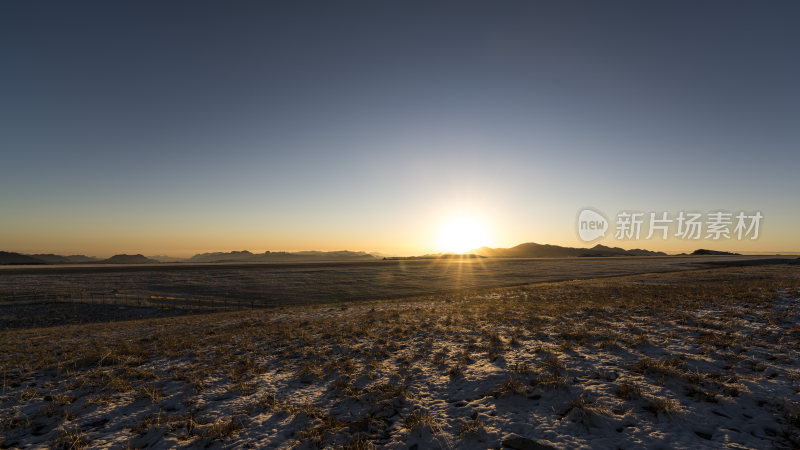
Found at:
<point>300,365</point>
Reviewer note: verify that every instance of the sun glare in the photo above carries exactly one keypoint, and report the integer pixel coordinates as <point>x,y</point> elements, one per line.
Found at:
<point>462,235</point>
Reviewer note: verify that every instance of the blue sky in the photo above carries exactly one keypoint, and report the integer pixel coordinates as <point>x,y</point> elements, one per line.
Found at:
<point>191,126</point>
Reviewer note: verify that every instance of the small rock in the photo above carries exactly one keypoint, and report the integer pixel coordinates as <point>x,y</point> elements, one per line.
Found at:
<point>703,434</point>
<point>521,443</point>
<point>358,427</point>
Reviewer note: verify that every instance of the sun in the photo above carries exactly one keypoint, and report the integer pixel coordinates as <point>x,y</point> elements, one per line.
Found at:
<point>462,235</point>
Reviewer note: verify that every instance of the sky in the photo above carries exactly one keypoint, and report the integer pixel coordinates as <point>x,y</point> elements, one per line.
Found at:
<point>183,127</point>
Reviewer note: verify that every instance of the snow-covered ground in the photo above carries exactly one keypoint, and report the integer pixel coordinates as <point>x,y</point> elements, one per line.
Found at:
<point>702,359</point>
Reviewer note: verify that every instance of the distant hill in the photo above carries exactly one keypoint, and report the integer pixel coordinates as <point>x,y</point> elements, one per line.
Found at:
<point>243,255</point>
<point>53,259</point>
<point>7,258</point>
<point>82,259</point>
<point>167,259</point>
<point>534,250</point>
<point>703,251</point>
<point>128,259</point>
<point>50,258</point>
<point>246,256</point>
<point>527,250</point>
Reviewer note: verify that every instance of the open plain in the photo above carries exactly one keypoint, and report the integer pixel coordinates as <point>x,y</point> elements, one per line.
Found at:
<point>701,358</point>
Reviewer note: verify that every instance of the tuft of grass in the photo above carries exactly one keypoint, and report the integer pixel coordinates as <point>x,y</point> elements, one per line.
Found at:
<point>585,412</point>
<point>456,371</point>
<point>70,439</point>
<point>512,385</point>
<point>553,363</point>
<point>358,443</point>
<point>150,391</point>
<point>310,372</point>
<point>422,419</point>
<point>551,380</point>
<point>222,429</point>
<point>471,426</point>
<point>663,405</point>
<point>246,388</point>
<point>629,391</point>
<point>663,367</point>
<point>522,369</point>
